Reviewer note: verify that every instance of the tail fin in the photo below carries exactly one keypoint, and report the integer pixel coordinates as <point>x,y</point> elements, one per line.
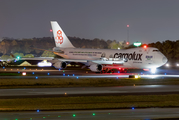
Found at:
<point>61,40</point>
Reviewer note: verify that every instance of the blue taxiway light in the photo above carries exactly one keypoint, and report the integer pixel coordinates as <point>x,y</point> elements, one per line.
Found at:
<point>73,75</point>
<point>165,73</point>
<point>133,108</point>
<point>24,68</point>
<point>77,77</point>
<point>18,71</point>
<point>48,73</point>
<point>63,74</point>
<point>36,77</point>
<point>3,67</point>
<point>38,110</point>
<point>59,69</point>
<point>68,75</point>
<point>32,72</point>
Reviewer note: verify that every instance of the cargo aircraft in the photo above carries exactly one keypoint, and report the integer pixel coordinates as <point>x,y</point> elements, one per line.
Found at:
<point>98,60</point>
<point>102,60</point>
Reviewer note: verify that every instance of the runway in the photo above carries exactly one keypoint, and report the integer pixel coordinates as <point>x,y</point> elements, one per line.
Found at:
<point>89,91</point>
<point>122,114</point>
<point>50,72</point>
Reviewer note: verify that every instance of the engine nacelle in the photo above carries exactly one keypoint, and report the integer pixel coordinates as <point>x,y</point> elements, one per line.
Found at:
<point>96,67</point>
<point>60,65</point>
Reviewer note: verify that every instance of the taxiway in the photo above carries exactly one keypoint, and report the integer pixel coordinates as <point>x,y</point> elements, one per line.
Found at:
<point>89,91</point>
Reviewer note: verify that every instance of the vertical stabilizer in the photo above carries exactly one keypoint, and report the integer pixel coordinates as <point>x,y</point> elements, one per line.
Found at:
<point>61,40</point>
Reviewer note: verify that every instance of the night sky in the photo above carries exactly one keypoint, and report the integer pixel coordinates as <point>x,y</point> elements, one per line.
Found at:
<point>149,20</point>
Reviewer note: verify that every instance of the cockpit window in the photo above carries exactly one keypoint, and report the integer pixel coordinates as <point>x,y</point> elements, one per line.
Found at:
<point>155,50</point>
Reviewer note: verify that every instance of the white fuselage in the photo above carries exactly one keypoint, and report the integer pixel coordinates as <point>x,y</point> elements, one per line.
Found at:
<point>134,57</point>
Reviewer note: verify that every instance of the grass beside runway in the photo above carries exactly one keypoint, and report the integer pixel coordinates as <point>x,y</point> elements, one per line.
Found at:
<point>83,82</point>
<point>90,102</point>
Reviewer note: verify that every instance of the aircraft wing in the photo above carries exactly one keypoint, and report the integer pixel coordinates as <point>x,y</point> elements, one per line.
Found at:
<point>102,62</point>
<point>53,60</point>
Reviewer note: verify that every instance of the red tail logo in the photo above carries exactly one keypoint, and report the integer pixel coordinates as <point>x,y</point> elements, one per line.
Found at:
<point>59,38</point>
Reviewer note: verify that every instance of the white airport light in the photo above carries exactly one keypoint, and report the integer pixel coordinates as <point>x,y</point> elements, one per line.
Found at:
<point>167,65</point>
<point>24,73</point>
<point>153,70</point>
<point>136,76</point>
<point>177,64</point>
<point>44,63</point>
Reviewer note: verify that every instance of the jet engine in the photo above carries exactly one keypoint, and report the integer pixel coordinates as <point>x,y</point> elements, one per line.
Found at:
<point>96,67</point>
<point>60,65</point>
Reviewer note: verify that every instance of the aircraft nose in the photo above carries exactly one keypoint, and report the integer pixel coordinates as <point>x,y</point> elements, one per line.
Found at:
<point>164,60</point>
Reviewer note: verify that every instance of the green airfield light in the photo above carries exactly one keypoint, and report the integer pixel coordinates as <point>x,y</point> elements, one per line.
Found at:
<point>137,44</point>
<point>74,115</point>
<point>18,57</point>
<point>94,114</point>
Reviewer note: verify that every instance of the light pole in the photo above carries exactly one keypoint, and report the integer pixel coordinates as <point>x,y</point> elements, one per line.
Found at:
<point>127,33</point>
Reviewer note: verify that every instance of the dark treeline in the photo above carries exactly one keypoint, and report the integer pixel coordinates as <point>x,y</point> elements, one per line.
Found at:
<point>169,48</point>
<point>9,45</point>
